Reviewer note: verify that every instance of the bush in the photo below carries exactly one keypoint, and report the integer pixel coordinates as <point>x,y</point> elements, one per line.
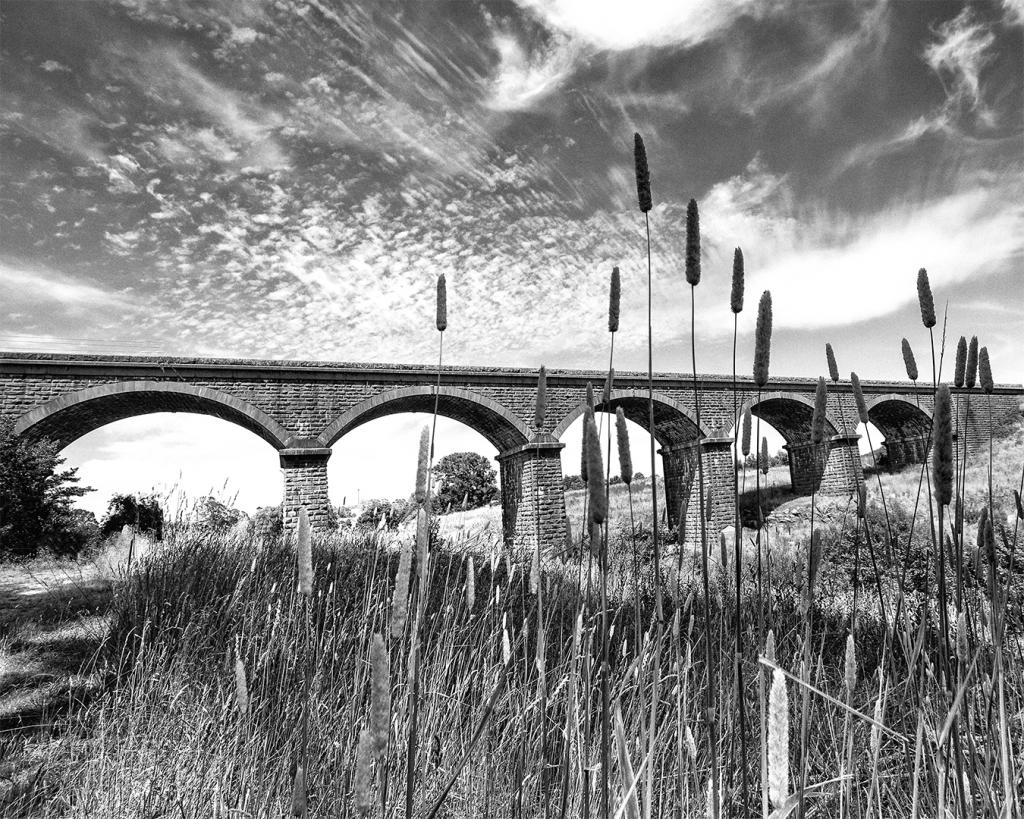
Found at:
<point>35,500</point>
<point>394,513</point>
<point>142,513</point>
<point>465,480</point>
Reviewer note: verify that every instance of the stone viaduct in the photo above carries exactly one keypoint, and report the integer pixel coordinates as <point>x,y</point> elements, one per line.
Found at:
<point>301,408</point>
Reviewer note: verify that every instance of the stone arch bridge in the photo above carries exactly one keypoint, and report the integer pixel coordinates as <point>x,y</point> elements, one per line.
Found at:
<point>301,408</point>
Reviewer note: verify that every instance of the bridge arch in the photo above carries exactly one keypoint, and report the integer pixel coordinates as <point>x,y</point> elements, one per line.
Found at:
<point>790,413</point>
<point>905,427</point>
<point>68,417</point>
<point>673,422</point>
<point>480,413</point>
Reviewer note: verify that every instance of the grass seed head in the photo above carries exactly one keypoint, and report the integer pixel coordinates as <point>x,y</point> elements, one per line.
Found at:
<point>423,466</point>
<point>442,303</point>
<point>614,295</point>
<point>985,371</point>
<point>241,687</point>
<point>400,601</point>
<point>909,362</point>
<point>299,805</point>
<point>818,418</point>
<point>541,407</point>
<point>595,469</point>
<point>858,397</point>
<point>960,370</point>
<point>850,665</point>
<point>471,582</point>
<point>862,501</point>
<point>924,297</point>
<point>736,295</point>
<point>833,368</point>
<point>971,375</point>
<point>643,175</point>
<point>745,437</point>
<point>362,796</point>
<point>622,438</point>
<point>422,543</point>
<point>961,638</point>
<point>583,450</point>
<point>606,396</point>
<point>942,436</point>
<point>765,460</point>
<point>380,696</point>
<point>305,554</point>
<point>763,339</point>
<point>692,244</point>
<point>778,740</point>
<point>769,646</point>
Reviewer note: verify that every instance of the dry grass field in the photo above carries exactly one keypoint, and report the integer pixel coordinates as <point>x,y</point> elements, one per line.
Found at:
<point>196,685</point>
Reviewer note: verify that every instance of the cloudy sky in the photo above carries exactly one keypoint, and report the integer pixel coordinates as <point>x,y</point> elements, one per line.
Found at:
<point>286,179</point>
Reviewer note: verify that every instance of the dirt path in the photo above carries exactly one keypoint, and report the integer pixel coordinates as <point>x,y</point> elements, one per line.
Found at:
<point>53,617</point>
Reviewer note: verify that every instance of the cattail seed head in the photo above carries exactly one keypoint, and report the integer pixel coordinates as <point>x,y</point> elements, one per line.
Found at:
<point>542,398</point>
<point>471,582</point>
<point>595,469</point>
<point>606,396</point>
<point>363,798</point>
<point>833,369</point>
<point>400,601</point>
<point>622,438</point>
<point>305,554</point>
<point>422,466</point>
<point>615,293</point>
<point>909,361</point>
<point>380,696</point>
<point>692,244</point>
<point>942,437</point>
<point>736,296</point>
<point>850,665</point>
<point>985,371</point>
<point>858,397</point>
<point>442,303</point>
<point>643,176</point>
<point>960,370</point>
<point>299,792</point>
<point>241,687</point>
<point>971,376</point>
<point>745,438</point>
<point>818,418</point>
<point>763,339</point>
<point>924,296</point>
<point>765,465</point>
<point>778,740</point>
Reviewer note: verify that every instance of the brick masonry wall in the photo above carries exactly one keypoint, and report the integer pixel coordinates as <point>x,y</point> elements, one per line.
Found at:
<point>683,480</point>
<point>532,499</point>
<point>305,484</point>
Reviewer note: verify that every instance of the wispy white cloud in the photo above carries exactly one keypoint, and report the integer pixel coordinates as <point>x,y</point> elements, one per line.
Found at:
<point>522,79</point>
<point>827,270</point>
<point>614,25</point>
<point>961,52</point>
<point>32,285</point>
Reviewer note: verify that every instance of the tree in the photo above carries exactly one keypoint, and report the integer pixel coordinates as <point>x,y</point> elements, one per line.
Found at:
<point>393,512</point>
<point>464,477</point>
<point>142,513</point>
<point>36,497</point>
